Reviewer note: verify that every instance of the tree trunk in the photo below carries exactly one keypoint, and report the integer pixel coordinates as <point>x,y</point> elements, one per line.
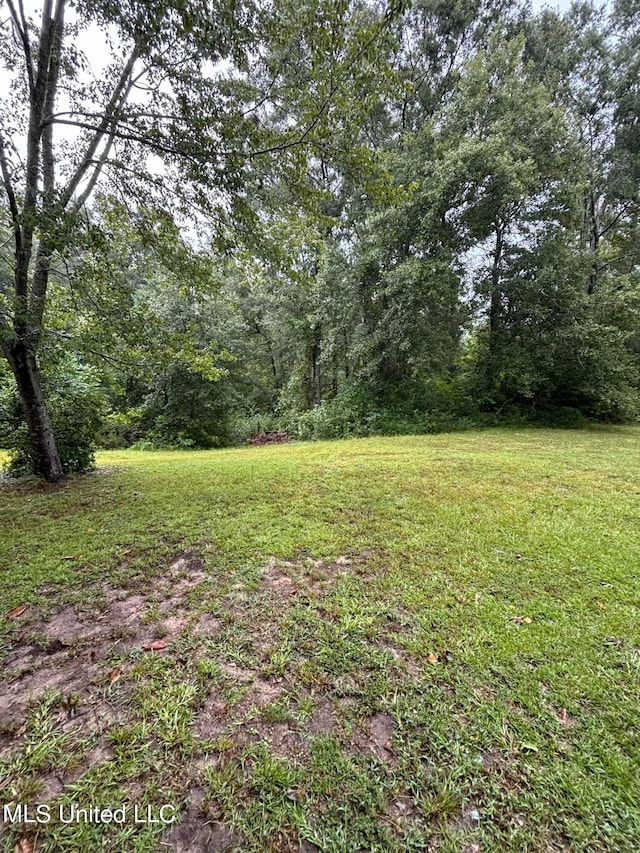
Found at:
<point>315,366</point>
<point>44,451</point>
<point>593,242</point>
<point>495,308</point>
<point>312,381</point>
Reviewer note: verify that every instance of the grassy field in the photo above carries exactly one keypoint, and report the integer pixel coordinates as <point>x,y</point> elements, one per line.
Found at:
<point>398,644</point>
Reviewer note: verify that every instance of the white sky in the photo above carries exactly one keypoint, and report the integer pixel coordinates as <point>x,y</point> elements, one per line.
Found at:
<point>562,5</point>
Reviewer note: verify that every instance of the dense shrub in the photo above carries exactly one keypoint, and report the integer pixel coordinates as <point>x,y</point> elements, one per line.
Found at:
<point>76,404</point>
<point>121,429</point>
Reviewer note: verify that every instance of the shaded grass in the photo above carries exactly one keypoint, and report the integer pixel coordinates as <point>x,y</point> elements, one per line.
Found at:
<point>486,609</point>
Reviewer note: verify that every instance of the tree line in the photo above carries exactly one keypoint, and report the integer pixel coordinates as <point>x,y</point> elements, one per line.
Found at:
<point>357,219</point>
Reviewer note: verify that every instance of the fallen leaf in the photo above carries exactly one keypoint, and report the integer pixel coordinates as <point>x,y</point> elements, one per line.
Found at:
<point>115,674</point>
<point>72,557</point>
<point>527,620</point>
<point>155,646</point>
<point>433,658</point>
<point>16,611</point>
<point>294,591</point>
<point>127,551</point>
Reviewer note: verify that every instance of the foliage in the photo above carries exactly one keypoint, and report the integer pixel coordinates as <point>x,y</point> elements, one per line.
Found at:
<point>77,404</point>
<point>413,220</point>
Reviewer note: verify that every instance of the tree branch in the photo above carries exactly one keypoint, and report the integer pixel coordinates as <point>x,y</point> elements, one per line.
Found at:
<point>107,125</point>
<point>57,25</point>
<point>21,26</point>
<point>99,353</point>
<point>98,166</point>
<point>8,187</point>
<point>119,133</point>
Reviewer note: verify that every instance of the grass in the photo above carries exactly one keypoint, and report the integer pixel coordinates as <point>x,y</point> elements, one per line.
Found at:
<point>378,644</point>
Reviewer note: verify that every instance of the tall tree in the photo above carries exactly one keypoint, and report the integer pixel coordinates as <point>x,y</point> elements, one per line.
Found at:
<point>175,86</point>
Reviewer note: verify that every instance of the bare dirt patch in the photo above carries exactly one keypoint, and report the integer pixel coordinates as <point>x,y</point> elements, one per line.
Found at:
<point>212,720</point>
<point>283,740</point>
<point>73,652</point>
<point>320,574</point>
<point>86,652</point>
<point>260,694</point>
<point>402,812</point>
<point>275,577</point>
<point>217,717</point>
<point>402,659</point>
<point>491,760</point>
<point>193,832</point>
<point>309,574</point>
<point>323,719</point>
<point>377,737</point>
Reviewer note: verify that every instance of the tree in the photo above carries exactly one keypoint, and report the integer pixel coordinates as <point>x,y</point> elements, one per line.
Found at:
<point>175,86</point>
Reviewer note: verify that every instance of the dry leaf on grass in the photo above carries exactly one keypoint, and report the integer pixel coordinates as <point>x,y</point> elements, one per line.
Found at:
<point>16,611</point>
<point>115,674</point>
<point>154,646</point>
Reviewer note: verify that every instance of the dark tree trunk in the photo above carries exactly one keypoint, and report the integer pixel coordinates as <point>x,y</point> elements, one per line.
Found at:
<point>315,366</point>
<point>495,308</point>
<point>44,451</point>
<point>593,242</point>
<point>312,381</point>
<point>334,374</point>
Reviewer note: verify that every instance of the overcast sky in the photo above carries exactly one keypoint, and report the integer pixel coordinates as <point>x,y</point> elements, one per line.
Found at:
<point>563,5</point>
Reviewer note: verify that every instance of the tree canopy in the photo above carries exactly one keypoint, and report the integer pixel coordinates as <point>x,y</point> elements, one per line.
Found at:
<point>332,217</point>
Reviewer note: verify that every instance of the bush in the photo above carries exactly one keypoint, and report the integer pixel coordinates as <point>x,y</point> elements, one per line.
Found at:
<point>185,410</point>
<point>121,429</point>
<point>338,418</point>
<point>242,428</point>
<point>75,403</point>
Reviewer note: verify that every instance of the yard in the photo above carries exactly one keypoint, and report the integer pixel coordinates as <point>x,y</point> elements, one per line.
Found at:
<point>393,644</point>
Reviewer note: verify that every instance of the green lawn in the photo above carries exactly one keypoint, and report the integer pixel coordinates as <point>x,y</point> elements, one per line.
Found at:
<point>381,644</point>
